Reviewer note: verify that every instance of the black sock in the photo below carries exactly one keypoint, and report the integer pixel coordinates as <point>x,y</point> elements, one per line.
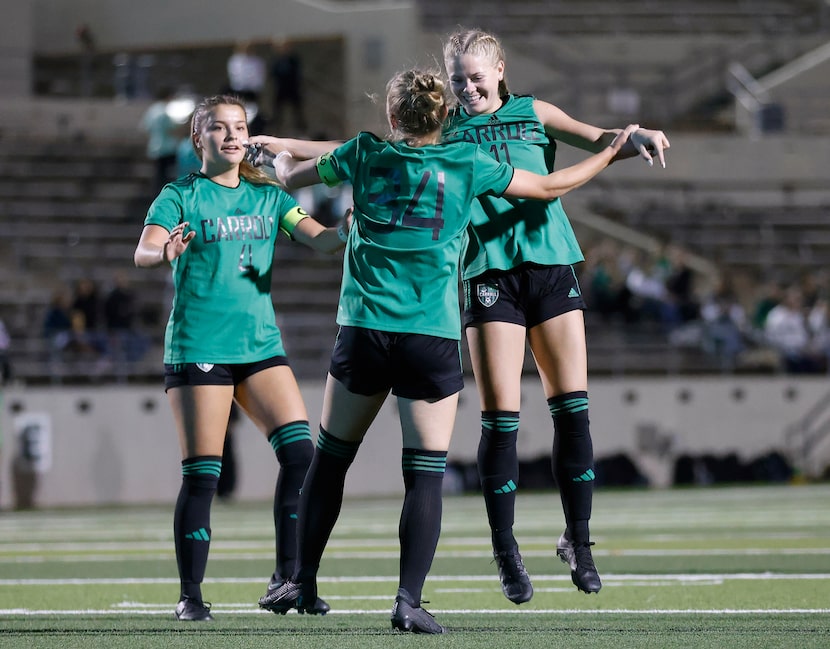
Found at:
<point>321,499</point>
<point>420,524</point>
<point>191,521</point>
<point>294,449</point>
<point>573,460</point>
<point>498,471</point>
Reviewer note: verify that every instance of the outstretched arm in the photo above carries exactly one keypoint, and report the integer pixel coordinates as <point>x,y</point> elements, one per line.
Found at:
<point>293,174</point>
<point>526,184</point>
<point>315,235</point>
<point>646,143</point>
<point>300,149</point>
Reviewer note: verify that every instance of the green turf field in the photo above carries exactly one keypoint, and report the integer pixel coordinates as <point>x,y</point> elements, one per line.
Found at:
<point>706,567</point>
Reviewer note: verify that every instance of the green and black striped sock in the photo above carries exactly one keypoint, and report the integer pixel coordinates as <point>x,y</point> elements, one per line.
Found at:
<point>420,524</point>
<point>191,520</point>
<point>573,460</point>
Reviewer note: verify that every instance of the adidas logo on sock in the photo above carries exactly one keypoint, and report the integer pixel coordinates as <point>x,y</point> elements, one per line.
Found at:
<point>585,477</point>
<point>199,535</point>
<point>507,488</point>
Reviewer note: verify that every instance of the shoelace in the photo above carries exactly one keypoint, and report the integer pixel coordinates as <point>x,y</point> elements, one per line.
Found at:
<point>502,558</point>
<point>584,558</point>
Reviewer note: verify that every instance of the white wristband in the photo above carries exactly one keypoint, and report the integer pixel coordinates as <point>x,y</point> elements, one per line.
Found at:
<point>280,155</point>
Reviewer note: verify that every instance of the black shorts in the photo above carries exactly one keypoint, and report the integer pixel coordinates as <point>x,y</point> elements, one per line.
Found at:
<point>527,295</point>
<point>215,374</point>
<point>413,366</point>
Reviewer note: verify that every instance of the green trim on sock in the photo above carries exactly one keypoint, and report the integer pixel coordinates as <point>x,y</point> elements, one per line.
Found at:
<point>330,445</point>
<point>296,431</point>
<point>201,466</point>
<point>418,462</point>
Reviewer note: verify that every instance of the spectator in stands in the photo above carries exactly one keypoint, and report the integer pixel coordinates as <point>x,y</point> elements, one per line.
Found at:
<point>247,73</point>
<point>645,282</point>
<point>788,331</point>
<point>65,329</point>
<point>818,321</point>
<point>813,287</point>
<point>222,343</point>
<point>680,286</point>
<point>86,301</point>
<point>514,245</point>
<point>399,315</point>
<point>770,295</point>
<point>126,343</point>
<point>57,321</point>
<point>162,138</point>
<point>724,324</point>
<point>287,82</point>
<point>602,281</point>
<point>86,315</point>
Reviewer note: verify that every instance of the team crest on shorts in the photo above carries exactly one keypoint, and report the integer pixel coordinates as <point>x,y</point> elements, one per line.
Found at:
<point>205,367</point>
<point>487,294</point>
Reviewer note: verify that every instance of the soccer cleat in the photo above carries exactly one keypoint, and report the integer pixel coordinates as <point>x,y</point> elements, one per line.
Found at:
<point>565,550</point>
<point>584,573</point>
<point>282,596</point>
<point>193,610</point>
<point>406,616</point>
<point>515,582</point>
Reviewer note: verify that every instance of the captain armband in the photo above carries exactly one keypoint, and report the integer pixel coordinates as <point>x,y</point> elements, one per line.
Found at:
<point>290,220</point>
<point>327,170</point>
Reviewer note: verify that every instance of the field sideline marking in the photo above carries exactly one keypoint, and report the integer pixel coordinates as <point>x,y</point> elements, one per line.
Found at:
<point>221,555</point>
<point>611,577</point>
<point>554,611</point>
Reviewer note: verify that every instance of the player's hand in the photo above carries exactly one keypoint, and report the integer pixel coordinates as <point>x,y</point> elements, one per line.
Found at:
<point>623,136</point>
<point>650,144</point>
<point>267,143</point>
<point>257,155</point>
<point>177,242</point>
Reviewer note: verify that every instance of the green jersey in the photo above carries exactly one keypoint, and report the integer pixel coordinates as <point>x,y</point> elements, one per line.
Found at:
<point>222,310</point>
<point>507,232</point>
<point>411,212</point>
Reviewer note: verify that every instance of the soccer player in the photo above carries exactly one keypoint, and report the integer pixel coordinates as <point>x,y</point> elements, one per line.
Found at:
<point>519,284</point>
<point>217,229</point>
<point>399,316</point>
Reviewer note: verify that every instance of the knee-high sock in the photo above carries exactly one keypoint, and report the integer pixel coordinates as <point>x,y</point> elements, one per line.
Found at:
<point>498,471</point>
<point>191,521</point>
<point>320,500</point>
<point>420,524</point>
<point>573,460</point>
<point>294,449</point>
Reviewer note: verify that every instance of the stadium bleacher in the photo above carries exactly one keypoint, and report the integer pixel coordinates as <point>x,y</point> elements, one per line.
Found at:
<point>74,208</point>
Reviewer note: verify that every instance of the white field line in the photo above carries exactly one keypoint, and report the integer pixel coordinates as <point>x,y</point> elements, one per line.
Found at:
<point>168,612</point>
<point>218,553</point>
<point>610,578</point>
